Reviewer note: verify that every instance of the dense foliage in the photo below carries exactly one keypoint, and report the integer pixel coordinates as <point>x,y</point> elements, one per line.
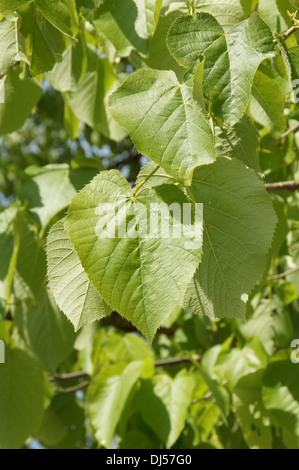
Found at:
<point>149,341</point>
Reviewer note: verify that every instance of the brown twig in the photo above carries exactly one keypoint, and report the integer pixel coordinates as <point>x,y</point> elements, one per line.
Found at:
<point>282,186</point>
<point>177,360</point>
<point>282,275</point>
<point>73,389</point>
<point>58,378</point>
<point>67,377</point>
<point>289,32</point>
<point>282,137</point>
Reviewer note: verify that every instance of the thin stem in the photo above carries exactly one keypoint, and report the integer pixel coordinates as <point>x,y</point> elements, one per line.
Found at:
<point>282,275</point>
<point>177,360</point>
<point>145,180</point>
<point>67,377</point>
<point>282,186</point>
<point>58,378</point>
<point>74,389</point>
<point>212,119</point>
<point>290,32</point>
<point>191,7</point>
<point>282,137</point>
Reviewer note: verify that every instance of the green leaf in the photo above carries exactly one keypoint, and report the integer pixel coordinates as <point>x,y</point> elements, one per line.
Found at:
<point>261,324</point>
<point>142,275</point>
<point>180,137</point>
<point>71,122</point>
<point>281,394</point>
<point>49,189</point>
<point>46,331</point>
<point>21,398</point>
<point>63,424</point>
<point>242,141</point>
<point>234,364</point>
<point>128,25</point>
<point>11,44</point>
<point>219,392</point>
<point>88,100</point>
<point>164,404</point>
<point>126,348</point>
<point>107,397</point>
<point>228,13</point>
<point>7,249</point>
<point>20,98</point>
<point>65,74</point>
<point>274,13</point>
<point>72,290</point>
<point>30,269</point>
<point>231,59</point>
<point>251,413</point>
<point>236,238</point>
<point>55,12</point>
<point>267,104</point>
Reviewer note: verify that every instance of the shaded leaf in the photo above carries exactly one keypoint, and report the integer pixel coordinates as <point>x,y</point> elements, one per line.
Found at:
<point>21,398</point>
<point>236,238</point>
<point>231,59</point>
<point>72,290</point>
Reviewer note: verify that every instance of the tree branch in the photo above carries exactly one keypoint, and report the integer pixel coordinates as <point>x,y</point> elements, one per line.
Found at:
<point>67,377</point>
<point>282,275</point>
<point>177,360</point>
<point>58,378</point>
<point>282,186</point>
<point>282,137</point>
<point>289,32</point>
<point>73,389</point>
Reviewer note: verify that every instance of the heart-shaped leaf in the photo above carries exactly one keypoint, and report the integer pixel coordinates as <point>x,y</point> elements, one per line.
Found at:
<point>139,268</point>
<point>164,120</point>
<point>231,59</point>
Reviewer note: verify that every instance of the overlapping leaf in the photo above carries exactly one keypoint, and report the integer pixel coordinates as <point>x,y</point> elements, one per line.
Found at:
<point>21,398</point>
<point>267,104</point>
<point>20,97</point>
<point>47,332</point>
<point>236,238</point>
<point>88,99</point>
<point>55,12</point>
<point>164,405</point>
<point>11,47</point>
<point>142,274</point>
<point>45,23</point>
<point>231,59</point>
<point>241,142</point>
<point>128,25</point>
<point>165,122</point>
<point>72,290</point>
<point>49,189</point>
<point>107,396</point>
